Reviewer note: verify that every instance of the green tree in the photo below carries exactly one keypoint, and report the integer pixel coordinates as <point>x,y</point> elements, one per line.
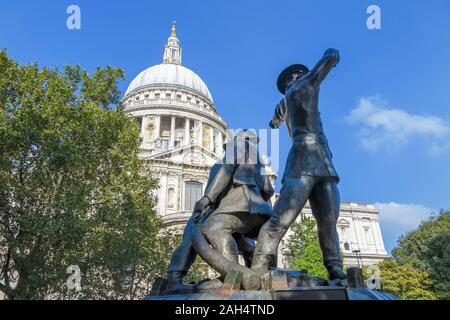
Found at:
<point>305,249</point>
<point>405,281</point>
<point>438,258</point>
<point>72,190</point>
<point>427,249</point>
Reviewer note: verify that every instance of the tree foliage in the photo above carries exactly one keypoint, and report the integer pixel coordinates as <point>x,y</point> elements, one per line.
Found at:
<point>72,190</point>
<point>304,247</point>
<point>405,281</point>
<point>428,249</point>
<point>438,258</point>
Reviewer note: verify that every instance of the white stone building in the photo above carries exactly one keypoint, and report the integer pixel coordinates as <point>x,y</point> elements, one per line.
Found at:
<point>359,235</point>
<point>182,137</point>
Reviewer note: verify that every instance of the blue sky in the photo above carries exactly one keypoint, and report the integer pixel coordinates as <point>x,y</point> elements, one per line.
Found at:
<point>385,108</point>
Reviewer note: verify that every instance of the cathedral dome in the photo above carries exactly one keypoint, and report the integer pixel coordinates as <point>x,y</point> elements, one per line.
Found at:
<point>174,109</point>
<point>169,74</point>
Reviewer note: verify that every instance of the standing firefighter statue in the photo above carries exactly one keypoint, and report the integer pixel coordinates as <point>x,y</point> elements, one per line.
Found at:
<point>309,172</point>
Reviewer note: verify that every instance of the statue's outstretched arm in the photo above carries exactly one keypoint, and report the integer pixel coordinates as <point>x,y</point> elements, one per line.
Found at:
<point>329,60</point>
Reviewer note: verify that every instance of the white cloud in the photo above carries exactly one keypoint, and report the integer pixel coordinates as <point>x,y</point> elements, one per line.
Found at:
<point>397,219</point>
<point>387,128</point>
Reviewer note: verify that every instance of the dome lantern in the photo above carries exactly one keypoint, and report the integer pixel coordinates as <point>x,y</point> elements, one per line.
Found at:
<point>172,51</point>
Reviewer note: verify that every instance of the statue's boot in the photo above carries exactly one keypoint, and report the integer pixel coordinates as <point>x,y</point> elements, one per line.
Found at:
<point>336,271</point>
<point>175,284</point>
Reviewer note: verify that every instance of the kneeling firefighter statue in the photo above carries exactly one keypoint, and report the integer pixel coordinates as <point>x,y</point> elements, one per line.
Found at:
<point>184,256</point>
<point>244,191</point>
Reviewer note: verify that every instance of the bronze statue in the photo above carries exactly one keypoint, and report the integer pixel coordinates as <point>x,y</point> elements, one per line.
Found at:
<point>309,172</point>
<point>235,208</point>
<point>243,209</point>
<point>184,256</point>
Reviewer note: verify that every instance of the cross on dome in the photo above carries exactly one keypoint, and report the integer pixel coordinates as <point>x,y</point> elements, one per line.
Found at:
<point>174,29</point>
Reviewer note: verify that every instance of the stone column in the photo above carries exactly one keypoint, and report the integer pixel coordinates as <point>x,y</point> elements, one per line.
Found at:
<point>211,138</point>
<point>144,126</point>
<point>157,127</point>
<point>147,137</point>
<point>200,133</point>
<point>219,144</point>
<point>172,132</point>
<point>187,133</point>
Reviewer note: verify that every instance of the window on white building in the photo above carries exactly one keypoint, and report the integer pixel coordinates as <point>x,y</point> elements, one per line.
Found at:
<point>368,234</point>
<point>171,198</point>
<point>193,193</point>
<point>367,231</point>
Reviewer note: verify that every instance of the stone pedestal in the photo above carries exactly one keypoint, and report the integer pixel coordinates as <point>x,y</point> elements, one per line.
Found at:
<point>277,284</point>
<point>316,293</point>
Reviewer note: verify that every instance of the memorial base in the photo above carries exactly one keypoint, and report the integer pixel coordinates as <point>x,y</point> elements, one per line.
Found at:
<point>318,293</point>
<point>279,284</point>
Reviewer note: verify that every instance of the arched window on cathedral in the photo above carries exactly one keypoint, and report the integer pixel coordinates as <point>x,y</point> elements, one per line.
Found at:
<point>193,193</point>
<point>171,198</point>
